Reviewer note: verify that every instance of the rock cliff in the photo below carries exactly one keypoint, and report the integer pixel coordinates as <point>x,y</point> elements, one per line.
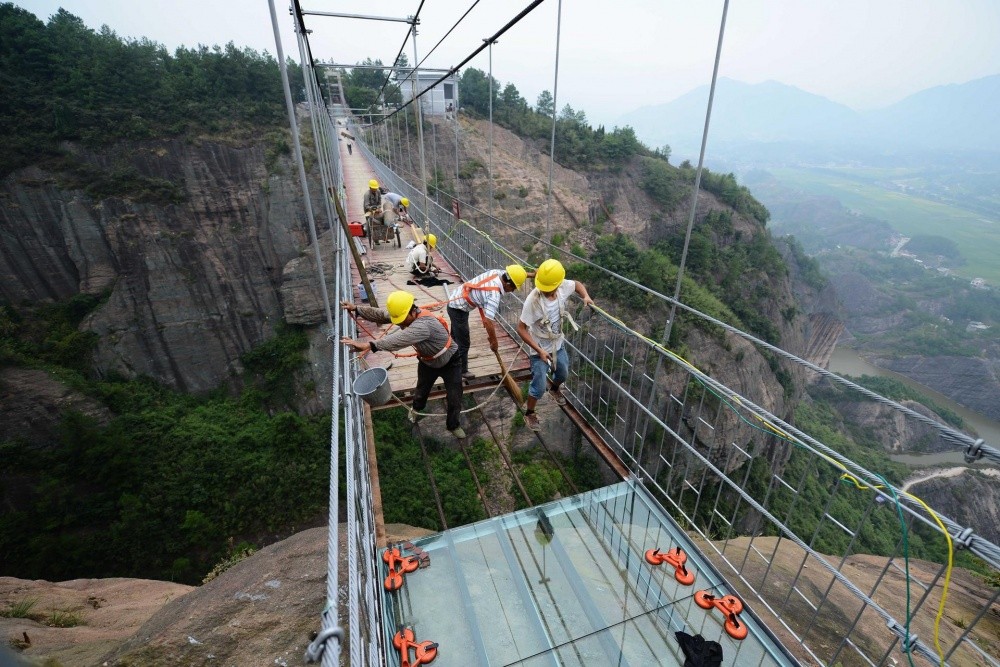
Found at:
<point>191,285</point>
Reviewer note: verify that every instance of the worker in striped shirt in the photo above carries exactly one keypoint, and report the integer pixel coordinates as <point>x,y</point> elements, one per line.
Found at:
<point>482,292</point>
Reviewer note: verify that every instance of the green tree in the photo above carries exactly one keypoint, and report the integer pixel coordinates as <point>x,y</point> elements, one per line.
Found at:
<point>545,105</point>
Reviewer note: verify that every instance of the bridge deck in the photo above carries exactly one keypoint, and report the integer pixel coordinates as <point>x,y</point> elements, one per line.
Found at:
<point>387,272</point>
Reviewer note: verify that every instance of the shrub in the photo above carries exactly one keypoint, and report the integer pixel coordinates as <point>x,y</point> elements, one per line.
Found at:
<point>20,609</point>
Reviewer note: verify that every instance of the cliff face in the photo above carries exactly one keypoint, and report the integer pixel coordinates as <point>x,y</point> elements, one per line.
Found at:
<point>972,498</point>
<point>191,285</point>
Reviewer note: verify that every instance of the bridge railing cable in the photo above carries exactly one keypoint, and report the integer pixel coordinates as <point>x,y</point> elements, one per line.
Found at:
<point>348,440</point>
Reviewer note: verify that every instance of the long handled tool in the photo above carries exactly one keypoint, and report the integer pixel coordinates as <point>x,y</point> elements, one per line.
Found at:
<point>513,388</point>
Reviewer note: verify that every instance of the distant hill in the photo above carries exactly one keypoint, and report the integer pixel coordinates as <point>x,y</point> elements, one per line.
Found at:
<point>952,117</point>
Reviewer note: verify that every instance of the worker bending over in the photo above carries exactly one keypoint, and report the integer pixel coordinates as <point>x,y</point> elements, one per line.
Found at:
<point>482,292</point>
<point>540,327</point>
<point>436,351</point>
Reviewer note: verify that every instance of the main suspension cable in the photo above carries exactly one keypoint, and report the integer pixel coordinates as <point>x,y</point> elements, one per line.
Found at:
<point>451,72</point>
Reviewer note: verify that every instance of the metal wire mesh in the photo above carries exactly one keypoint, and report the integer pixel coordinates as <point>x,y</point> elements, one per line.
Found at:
<point>769,503</point>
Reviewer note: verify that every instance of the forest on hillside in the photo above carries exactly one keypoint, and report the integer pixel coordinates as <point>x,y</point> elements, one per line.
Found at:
<point>63,81</point>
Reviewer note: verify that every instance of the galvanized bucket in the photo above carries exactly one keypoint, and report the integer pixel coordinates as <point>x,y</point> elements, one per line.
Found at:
<point>373,386</point>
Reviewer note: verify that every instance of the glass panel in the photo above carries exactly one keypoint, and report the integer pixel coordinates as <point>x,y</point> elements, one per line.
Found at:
<point>566,583</point>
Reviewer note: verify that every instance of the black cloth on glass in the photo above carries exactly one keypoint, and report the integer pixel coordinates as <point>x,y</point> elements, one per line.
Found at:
<point>698,651</point>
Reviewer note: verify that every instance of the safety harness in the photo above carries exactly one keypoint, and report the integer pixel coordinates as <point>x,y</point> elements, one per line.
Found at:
<point>424,313</point>
<point>467,292</point>
<point>536,307</point>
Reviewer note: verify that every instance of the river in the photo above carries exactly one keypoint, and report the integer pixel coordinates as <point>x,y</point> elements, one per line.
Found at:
<point>846,361</point>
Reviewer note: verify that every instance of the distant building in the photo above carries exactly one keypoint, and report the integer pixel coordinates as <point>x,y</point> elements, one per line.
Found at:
<point>977,326</point>
<point>979,283</point>
<point>439,100</point>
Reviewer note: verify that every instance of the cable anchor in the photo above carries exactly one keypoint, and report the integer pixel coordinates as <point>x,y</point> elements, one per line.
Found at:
<point>314,652</point>
<point>974,452</point>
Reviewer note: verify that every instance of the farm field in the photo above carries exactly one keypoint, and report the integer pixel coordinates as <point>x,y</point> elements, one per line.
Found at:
<point>977,236</point>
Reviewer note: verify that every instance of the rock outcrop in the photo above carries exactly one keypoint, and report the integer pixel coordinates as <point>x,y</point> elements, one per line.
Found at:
<point>971,496</point>
<point>190,286</point>
<point>32,403</point>
<point>898,433</point>
<point>972,382</point>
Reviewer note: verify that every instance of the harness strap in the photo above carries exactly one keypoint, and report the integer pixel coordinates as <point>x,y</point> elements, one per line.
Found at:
<point>447,346</point>
<point>468,287</point>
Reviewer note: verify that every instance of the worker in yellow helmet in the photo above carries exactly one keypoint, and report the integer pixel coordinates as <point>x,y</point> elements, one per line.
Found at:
<point>373,201</point>
<point>436,350</point>
<point>542,318</point>
<point>420,262</point>
<point>482,292</point>
<point>394,208</point>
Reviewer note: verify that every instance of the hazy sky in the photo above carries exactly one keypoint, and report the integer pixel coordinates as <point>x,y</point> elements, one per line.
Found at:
<point>615,56</point>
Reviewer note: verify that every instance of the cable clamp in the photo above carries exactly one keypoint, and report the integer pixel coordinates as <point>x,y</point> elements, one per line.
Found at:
<point>314,652</point>
<point>974,452</point>
<point>963,538</point>
<point>907,644</point>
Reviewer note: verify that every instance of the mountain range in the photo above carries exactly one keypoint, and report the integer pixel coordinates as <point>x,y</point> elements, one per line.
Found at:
<point>954,117</point>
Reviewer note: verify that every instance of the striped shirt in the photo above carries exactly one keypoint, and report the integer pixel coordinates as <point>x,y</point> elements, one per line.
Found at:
<point>487,299</point>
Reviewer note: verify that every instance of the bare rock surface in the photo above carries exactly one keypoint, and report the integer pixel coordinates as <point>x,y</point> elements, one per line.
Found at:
<point>108,610</point>
<point>259,612</point>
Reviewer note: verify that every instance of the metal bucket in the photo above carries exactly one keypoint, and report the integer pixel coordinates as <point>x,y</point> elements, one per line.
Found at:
<point>373,387</point>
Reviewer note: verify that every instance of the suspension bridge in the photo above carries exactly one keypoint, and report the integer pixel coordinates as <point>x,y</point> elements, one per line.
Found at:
<point>702,531</point>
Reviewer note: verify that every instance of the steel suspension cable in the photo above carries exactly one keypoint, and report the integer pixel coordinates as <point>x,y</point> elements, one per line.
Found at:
<point>552,143</point>
<point>330,626</point>
<point>424,59</point>
<point>392,67</point>
<point>701,162</point>
<point>491,134</point>
<point>451,72</point>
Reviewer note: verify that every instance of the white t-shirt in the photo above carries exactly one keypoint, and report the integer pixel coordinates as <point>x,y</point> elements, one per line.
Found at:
<point>544,316</point>
<point>417,256</point>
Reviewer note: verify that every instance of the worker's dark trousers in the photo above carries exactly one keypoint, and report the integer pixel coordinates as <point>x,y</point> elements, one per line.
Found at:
<point>460,332</point>
<point>451,373</point>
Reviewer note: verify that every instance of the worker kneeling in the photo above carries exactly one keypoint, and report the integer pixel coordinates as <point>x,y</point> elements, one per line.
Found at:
<point>420,262</point>
<point>428,334</point>
<point>540,327</point>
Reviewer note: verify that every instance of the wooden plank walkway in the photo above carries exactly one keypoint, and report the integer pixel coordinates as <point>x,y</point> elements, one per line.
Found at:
<point>387,272</point>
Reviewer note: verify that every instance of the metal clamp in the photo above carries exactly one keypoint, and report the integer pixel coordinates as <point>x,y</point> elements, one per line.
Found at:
<point>906,643</point>
<point>963,538</point>
<point>974,452</point>
<point>314,652</point>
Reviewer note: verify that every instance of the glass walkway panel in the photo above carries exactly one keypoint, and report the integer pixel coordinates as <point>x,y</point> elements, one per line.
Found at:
<point>566,583</point>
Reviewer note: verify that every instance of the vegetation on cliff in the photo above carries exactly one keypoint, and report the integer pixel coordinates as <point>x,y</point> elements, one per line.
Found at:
<point>66,82</point>
<point>173,483</point>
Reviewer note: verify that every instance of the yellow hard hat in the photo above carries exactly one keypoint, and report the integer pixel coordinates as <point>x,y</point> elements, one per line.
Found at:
<point>517,274</point>
<point>549,275</point>
<point>373,184</point>
<point>399,305</point>
<point>404,201</point>
<point>432,241</point>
